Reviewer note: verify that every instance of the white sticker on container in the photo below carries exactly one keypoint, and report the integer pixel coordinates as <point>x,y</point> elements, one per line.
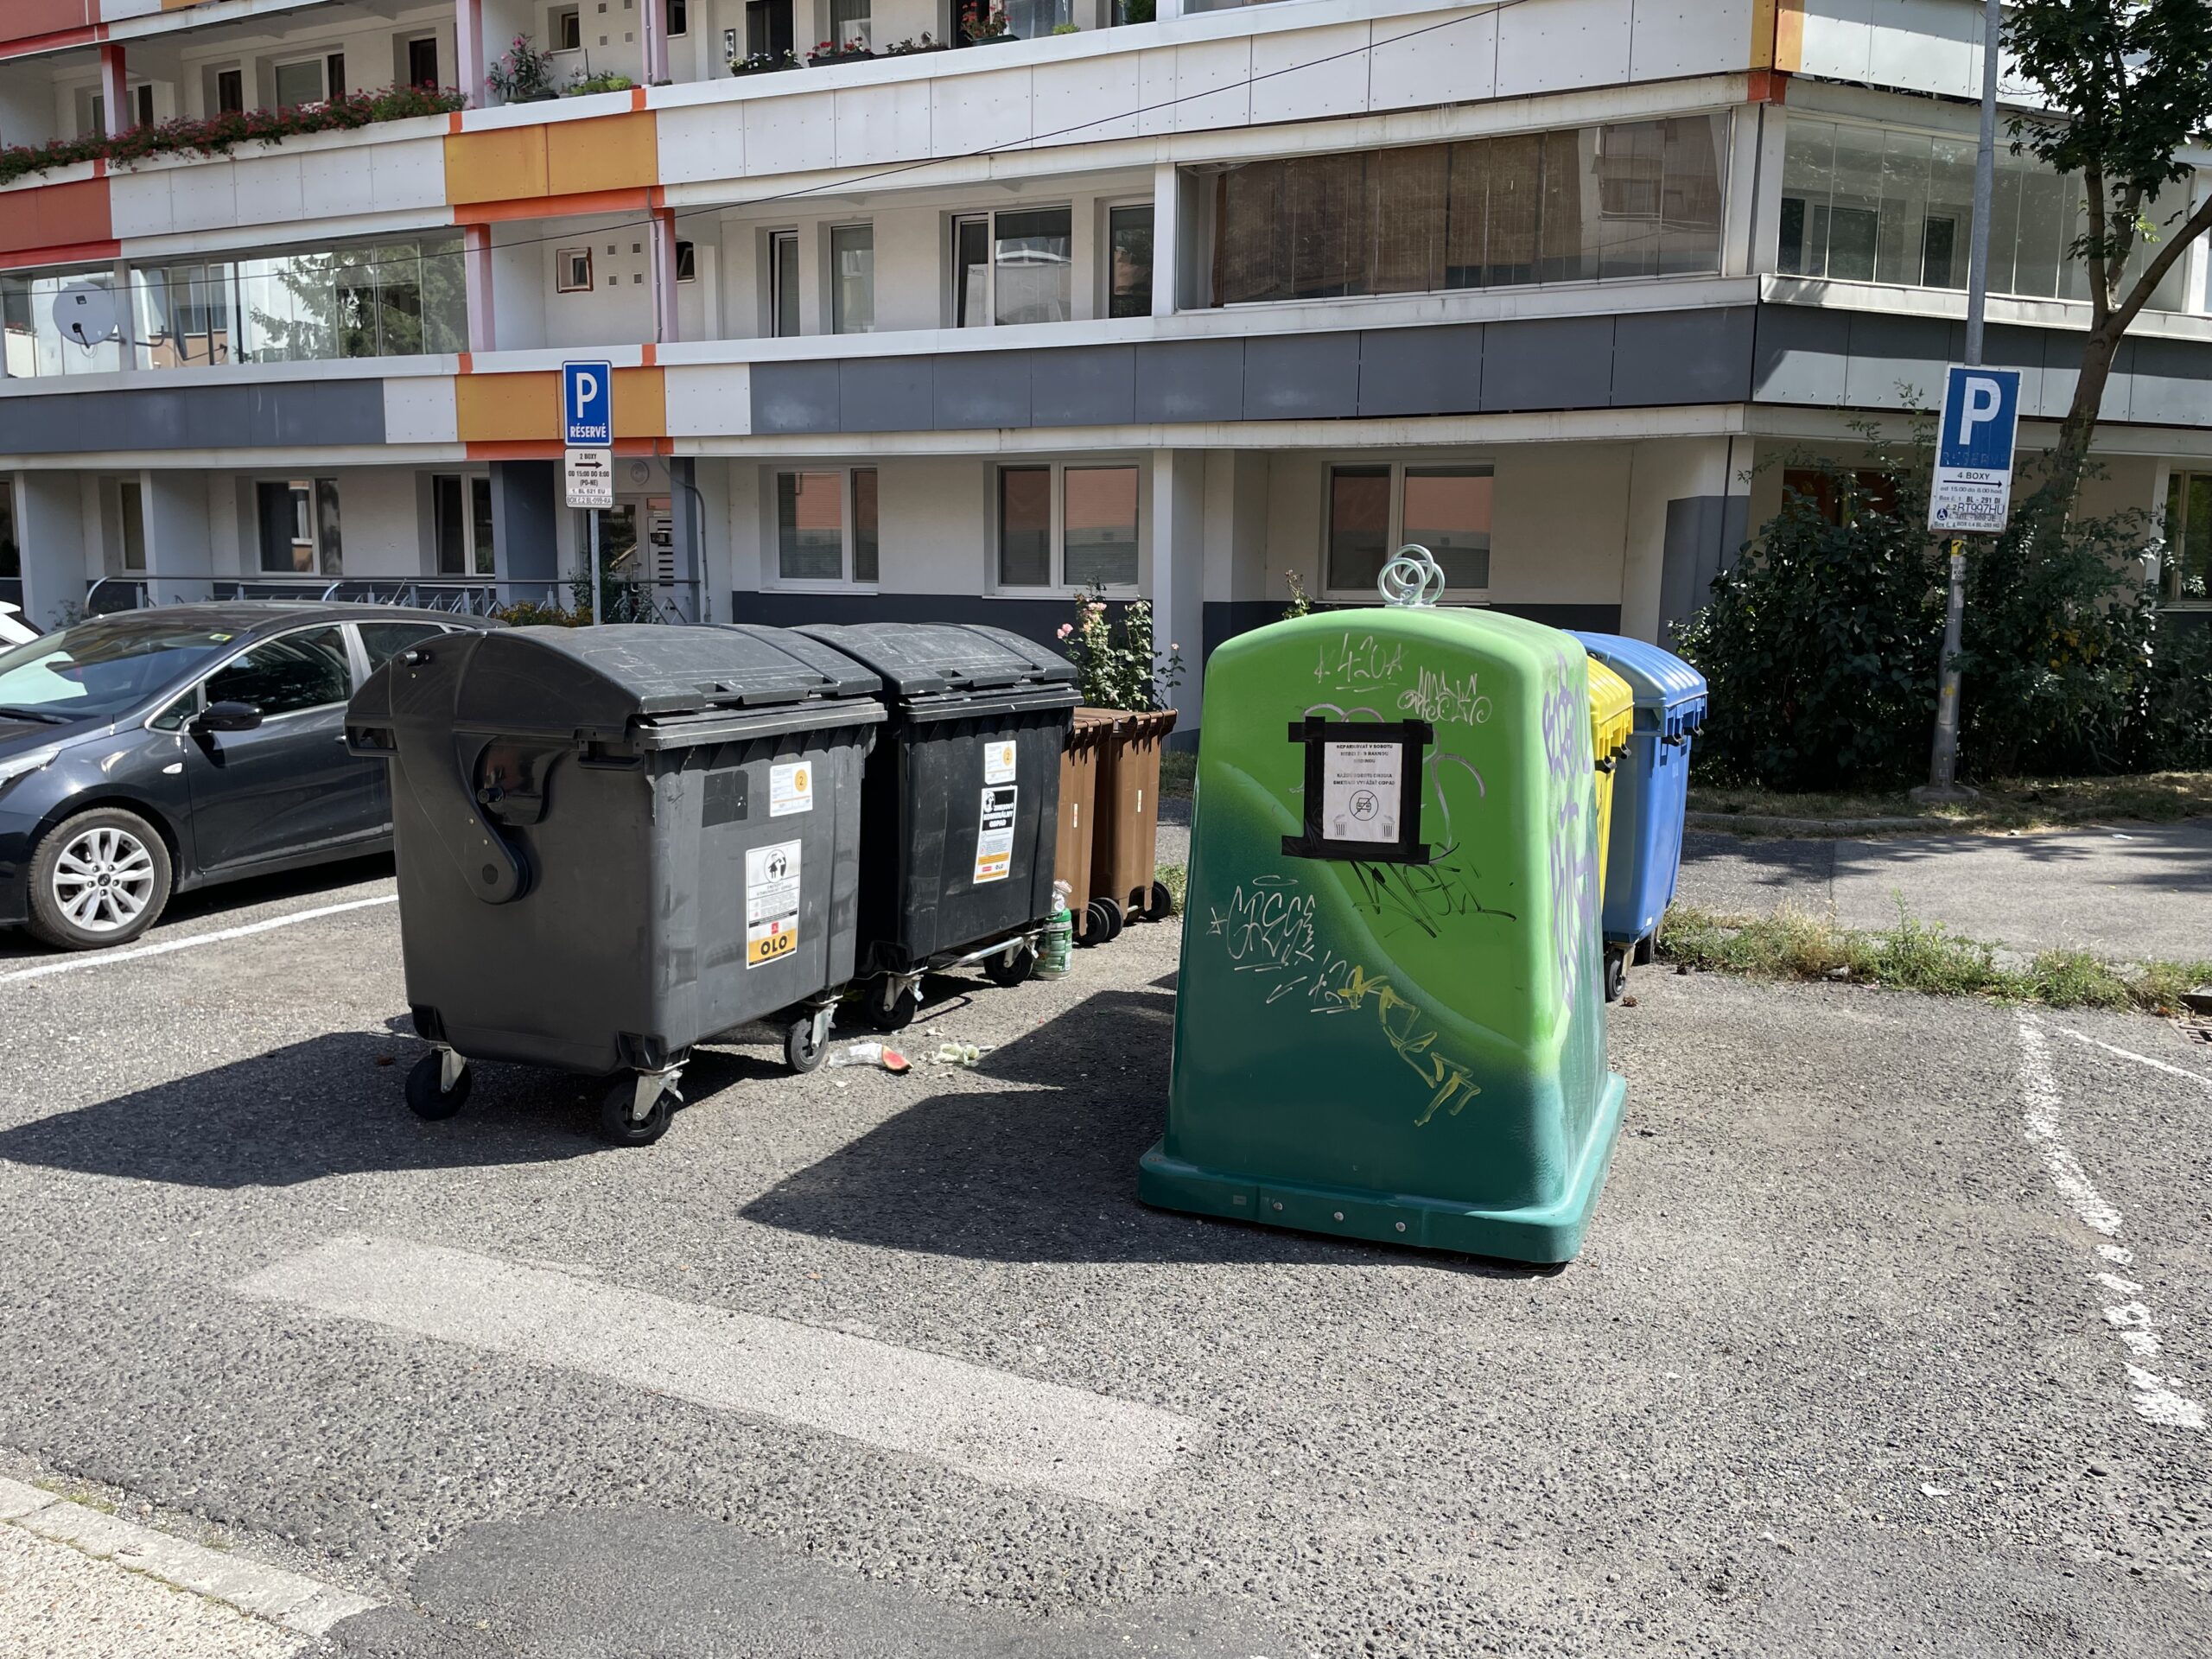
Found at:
<point>994,837</point>
<point>1362,785</point>
<point>790,788</point>
<point>998,760</point>
<point>771,902</point>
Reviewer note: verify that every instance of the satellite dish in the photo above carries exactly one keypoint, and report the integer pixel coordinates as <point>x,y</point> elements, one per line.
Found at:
<point>85,311</point>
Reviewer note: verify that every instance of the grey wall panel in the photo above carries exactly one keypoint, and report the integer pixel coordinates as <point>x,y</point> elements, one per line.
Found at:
<point>1422,371</point>
<point>1548,363</point>
<point>2171,384</point>
<point>795,397</point>
<point>1703,535</point>
<point>310,414</point>
<point>1301,377</point>
<point>1191,380</point>
<point>2021,349</point>
<point>1083,386</point>
<point>1898,362</point>
<point>1683,357</point>
<point>887,394</point>
<point>982,388</point>
<point>1799,355</point>
<point>524,496</point>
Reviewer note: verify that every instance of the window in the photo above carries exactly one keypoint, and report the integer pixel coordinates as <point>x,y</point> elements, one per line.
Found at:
<point>782,283</point>
<point>679,17</point>
<point>130,513</point>
<point>1834,492</point>
<point>1082,534</point>
<point>230,92</point>
<point>1128,271</point>
<point>852,289</point>
<point>565,28</point>
<point>299,525</point>
<point>460,514</point>
<point>1032,20</point>
<point>2186,571</point>
<point>1859,204</point>
<point>300,83</point>
<point>382,641</point>
<point>1637,199</point>
<point>283,675</point>
<point>143,97</point>
<point>335,74</point>
<point>1012,267</point>
<point>850,23</point>
<point>826,526</point>
<point>572,271</point>
<point>422,61</point>
<point>1377,507</point>
<point>687,263</point>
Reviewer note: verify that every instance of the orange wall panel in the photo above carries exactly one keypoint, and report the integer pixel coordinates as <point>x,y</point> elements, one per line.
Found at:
<point>508,408</point>
<point>613,152</point>
<point>54,216</point>
<point>23,20</point>
<point>640,403</point>
<point>495,166</point>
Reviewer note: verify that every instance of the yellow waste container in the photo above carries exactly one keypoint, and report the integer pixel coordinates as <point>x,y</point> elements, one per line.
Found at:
<point>1612,718</point>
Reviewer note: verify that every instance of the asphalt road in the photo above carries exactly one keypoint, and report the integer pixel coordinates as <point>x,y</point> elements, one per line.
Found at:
<point>860,1365</point>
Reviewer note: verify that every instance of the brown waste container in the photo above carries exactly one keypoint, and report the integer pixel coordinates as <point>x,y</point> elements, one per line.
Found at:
<point>1087,741</point>
<point>1125,849</point>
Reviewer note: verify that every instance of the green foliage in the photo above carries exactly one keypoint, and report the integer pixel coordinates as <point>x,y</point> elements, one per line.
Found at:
<point>1116,656</point>
<point>522,74</point>
<point>583,85</point>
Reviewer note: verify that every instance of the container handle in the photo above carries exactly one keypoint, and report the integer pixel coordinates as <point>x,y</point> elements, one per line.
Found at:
<point>440,766</point>
<point>1408,579</point>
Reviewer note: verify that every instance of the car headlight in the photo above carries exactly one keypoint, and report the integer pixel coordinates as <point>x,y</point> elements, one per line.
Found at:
<point>16,766</point>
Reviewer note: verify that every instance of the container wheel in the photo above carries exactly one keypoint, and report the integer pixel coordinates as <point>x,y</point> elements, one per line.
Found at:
<point>1646,948</point>
<point>1162,905</point>
<point>1008,972</point>
<point>801,1052</point>
<point>1615,971</point>
<point>888,1008</point>
<point>1104,921</point>
<point>618,1122</point>
<point>1084,928</point>
<point>426,1099</point>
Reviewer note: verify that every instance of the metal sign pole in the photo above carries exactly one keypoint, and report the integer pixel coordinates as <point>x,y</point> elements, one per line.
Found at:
<point>591,514</point>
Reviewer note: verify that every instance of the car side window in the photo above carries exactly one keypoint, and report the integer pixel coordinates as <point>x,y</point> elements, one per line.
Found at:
<point>385,640</point>
<point>279,676</point>
<point>179,714</point>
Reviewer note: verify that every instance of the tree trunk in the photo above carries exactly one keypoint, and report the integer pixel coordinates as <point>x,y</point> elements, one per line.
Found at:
<point>2081,425</point>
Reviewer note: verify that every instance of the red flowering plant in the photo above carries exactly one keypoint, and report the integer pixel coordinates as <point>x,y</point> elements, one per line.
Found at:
<point>852,51</point>
<point>220,135</point>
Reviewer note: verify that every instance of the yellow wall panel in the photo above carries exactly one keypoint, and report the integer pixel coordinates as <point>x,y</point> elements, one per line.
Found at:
<point>509,408</point>
<point>640,403</point>
<point>613,152</point>
<point>501,165</point>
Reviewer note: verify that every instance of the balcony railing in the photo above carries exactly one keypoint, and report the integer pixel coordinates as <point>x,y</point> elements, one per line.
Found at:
<point>536,600</point>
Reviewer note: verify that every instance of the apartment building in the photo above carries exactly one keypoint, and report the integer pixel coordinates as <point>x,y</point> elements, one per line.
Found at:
<point>1130,296</point>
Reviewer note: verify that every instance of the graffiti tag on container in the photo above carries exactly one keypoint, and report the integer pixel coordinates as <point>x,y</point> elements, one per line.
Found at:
<point>1573,878</point>
<point>1445,700</point>
<point>1350,664</point>
<point>1425,894</point>
<point>1414,1042</point>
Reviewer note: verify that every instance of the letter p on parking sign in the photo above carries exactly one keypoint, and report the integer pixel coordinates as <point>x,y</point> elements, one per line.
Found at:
<point>1972,486</point>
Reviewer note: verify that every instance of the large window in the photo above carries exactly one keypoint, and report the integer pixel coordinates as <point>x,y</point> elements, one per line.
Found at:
<point>1377,507</point>
<point>1128,271</point>
<point>1012,267</point>
<point>308,669</point>
<point>852,285</point>
<point>460,512</point>
<point>782,283</point>
<point>1635,199</point>
<point>850,23</point>
<point>1068,526</point>
<point>826,526</point>
<point>2187,572</point>
<point>1859,204</point>
<point>299,526</point>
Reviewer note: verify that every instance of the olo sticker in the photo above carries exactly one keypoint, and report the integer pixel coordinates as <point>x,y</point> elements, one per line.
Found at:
<point>998,760</point>
<point>790,789</point>
<point>994,836</point>
<point>1361,789</point>
<point>771,902</point>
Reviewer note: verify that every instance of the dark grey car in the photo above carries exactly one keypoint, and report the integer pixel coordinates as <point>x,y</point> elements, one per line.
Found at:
<point>148,753</point>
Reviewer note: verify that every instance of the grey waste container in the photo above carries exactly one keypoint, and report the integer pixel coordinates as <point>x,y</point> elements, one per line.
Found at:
<point>615,842</point>
<point>961,803</point>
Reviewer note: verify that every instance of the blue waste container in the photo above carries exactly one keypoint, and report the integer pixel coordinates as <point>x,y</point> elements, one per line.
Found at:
<point>1650,794</point>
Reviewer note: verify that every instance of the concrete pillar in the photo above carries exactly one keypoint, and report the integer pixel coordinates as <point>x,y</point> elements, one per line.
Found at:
<point>1177,585</point>
<point>656,21</point>
<point>526,495</point>
<point>115,88</point>
<point>688,523</point>
<point>469,48</point>
<point>180,552</point>
<point>665,325</point>
<point>1688,516</point>
<point>476,265</point>
<point>1166,239</point>
<point>50,534</point>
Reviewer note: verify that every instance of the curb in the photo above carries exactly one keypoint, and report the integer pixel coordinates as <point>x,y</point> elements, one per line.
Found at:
<point>290,1600</point>
<point>1725,821</point>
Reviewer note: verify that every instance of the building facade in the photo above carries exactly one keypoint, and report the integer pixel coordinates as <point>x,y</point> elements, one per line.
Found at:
<point>1128,297</point>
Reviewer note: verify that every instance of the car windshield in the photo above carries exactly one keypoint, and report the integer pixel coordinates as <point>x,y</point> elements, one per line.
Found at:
<point>98,669</point>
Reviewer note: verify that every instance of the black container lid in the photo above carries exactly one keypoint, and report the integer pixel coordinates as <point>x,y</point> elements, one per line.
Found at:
<point>920,659</point>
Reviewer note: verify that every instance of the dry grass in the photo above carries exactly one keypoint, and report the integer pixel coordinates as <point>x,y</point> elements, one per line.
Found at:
<point>2014,803</point>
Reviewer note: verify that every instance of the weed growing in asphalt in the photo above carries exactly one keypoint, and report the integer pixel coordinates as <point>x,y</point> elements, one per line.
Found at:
<point>1916,956</point>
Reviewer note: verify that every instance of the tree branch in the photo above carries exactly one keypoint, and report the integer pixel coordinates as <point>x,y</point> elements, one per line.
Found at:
<point>2093,179</point>
<point>2154,273</point>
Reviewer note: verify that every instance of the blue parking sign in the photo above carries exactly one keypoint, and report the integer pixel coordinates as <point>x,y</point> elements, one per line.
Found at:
<point>587,405</point>
<point>1972,488</point>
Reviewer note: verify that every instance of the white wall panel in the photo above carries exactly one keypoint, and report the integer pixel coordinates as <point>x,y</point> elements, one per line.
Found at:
<point>981,112</point>
<point>1413,65</point>
<point>1690,37</point>
<point>140,204</point>
<point>1838,38</point>
<point>419,409</point>
<point>710,401</point>
<point>1929,45</point>
<point>337,182</point>
<point>269,190</point>
<point>1284,86</point>
<point>787,135</point>
<point>1200,69</point>
<point>703,141</point>
<point>882,123</point>
<point>1089,100</point>
<point>1555,44</point>
<point>409,175</point>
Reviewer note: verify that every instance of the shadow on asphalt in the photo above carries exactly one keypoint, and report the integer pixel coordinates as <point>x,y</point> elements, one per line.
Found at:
<point>1048,1173</point>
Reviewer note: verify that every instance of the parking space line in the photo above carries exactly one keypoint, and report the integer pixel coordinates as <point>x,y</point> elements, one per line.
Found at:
<point>132,953</point>
<point>996,1427</point>
<point>2130,1321</point>
<point>290,1600</point>
<point>2196,1078</point>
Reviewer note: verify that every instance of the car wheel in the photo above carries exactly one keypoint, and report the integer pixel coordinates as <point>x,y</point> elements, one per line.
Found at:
<point>102,878</point>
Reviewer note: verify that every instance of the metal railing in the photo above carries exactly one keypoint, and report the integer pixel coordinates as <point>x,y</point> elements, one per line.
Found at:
<point>624,601</point>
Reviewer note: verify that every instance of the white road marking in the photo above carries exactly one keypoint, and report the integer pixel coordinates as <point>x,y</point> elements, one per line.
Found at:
<point>132,953</point>
<point>289,1599</point>
<point>2153,1400</point>
<point>2196,1078</point>
<point>999,1427</point>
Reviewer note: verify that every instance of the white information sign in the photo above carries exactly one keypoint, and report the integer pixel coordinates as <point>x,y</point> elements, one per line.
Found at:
<point>998,760</point>
<point>1361,785</point>
<point>790,789</point>
<point>771,902</point>
<point>590,477</point>
<point>995,835</point>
